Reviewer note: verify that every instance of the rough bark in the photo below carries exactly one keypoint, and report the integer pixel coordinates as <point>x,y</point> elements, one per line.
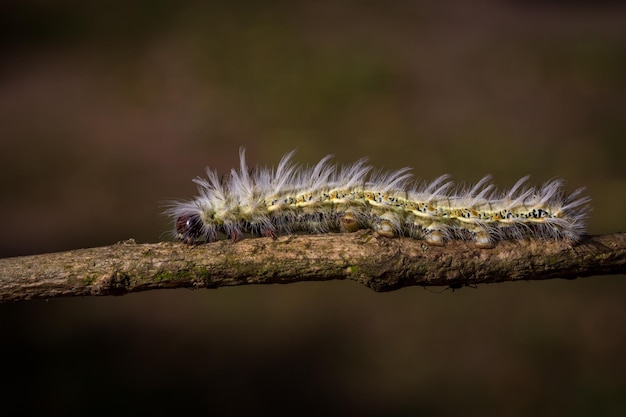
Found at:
<point>379,263</point>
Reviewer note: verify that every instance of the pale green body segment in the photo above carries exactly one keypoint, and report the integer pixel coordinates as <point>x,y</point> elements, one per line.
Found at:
<point>395,214</point>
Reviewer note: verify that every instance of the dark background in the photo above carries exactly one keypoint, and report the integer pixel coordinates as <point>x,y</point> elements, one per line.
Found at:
<point>108,108</point>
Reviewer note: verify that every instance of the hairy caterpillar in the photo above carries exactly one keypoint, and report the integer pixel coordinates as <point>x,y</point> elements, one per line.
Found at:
<point>332,198</point>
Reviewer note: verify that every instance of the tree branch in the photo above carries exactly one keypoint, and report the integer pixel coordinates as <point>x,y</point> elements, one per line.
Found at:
<point>379,263</point>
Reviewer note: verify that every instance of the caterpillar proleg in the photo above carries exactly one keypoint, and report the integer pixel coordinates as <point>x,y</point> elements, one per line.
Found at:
<point>328,197</point>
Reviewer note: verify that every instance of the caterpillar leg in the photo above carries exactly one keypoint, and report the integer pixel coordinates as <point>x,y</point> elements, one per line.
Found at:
<point>263,228</point>
<point>349,222</point>
<point>434,237</point>
<point>483,240</point>
<point>269,233</point>
<point>385,229</point>
<point>387,225</point>
<point>426,230</point>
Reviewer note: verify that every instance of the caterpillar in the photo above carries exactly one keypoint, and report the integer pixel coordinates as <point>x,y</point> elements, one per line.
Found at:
<point>328,197</point>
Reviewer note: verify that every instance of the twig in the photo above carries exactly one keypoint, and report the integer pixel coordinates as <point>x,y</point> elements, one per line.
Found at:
<point>379,263</point>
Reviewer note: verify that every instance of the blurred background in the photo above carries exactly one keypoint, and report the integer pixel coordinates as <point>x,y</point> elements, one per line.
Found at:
<point>108,108</point>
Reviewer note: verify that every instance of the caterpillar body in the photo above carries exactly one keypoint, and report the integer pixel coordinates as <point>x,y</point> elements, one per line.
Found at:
<point>328,197</point>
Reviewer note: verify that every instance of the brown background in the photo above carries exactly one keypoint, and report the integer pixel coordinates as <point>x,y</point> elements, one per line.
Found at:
<point>108,108</point>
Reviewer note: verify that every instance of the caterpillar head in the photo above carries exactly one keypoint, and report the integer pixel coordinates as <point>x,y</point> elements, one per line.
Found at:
<point>189,228</point>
